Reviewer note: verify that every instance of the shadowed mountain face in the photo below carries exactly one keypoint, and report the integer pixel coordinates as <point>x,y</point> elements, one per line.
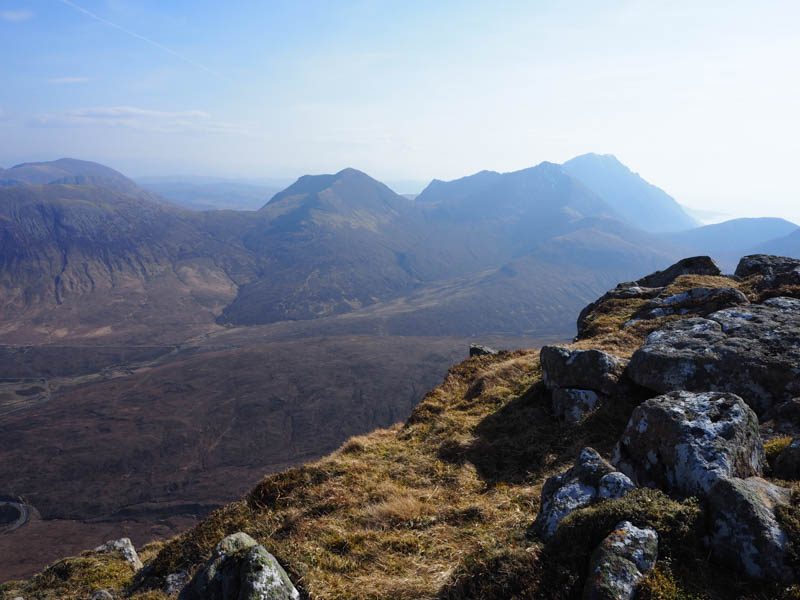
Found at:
<point>641,203</point>
<point>85,261</point>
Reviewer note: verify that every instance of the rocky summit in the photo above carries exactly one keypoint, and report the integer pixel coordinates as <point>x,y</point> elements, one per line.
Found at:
<point>654,457</point>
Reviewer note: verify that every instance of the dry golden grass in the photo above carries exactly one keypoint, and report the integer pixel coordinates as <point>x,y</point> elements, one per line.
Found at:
<point>407,511</point>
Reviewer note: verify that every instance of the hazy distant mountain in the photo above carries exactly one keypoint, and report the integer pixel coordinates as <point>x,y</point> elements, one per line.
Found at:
<point>222,195</point>
<point>503,215</point>
<point>326,245</point>
<point>787,245</point>
<point>333,243</point>
<point>638,201</point>
<point>727,242</point>
<point>71,171</point>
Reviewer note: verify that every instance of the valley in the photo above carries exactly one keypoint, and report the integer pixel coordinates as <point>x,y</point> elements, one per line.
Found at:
<point>156,362</point>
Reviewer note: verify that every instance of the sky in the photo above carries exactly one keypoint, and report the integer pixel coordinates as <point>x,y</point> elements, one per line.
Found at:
<point>700,98</point>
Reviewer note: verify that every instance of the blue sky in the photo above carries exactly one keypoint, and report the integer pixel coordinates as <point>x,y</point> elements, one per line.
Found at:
<point>699,97</point>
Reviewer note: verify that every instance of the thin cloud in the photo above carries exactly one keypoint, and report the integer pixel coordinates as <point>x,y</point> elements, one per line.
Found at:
<point>138,36</point>
<point>16,16</point>
<point>141,119</point>
<point>68,80</point>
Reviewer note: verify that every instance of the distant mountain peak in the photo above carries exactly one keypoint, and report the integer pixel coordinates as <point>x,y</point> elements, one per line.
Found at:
<point>640,202</point>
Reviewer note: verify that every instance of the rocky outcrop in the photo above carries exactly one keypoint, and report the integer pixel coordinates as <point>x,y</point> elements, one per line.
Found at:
<point>583,369</point>
<point>124,547</point>
<point>745,533</point>
<point>577,487</point>
<point>478,350</point>
<point>624,291</point>
<point>765,265</point>
<point>621,560</point>
<point>579,379</point>
<point>787,463</point>
<point>695,265</point>
<point>699,301</point>
<point>240,569</point>
<point>751,351</point>
<point>685,442</point>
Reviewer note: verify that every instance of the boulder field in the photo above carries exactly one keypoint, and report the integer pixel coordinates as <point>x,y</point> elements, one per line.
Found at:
<point>715,364</point>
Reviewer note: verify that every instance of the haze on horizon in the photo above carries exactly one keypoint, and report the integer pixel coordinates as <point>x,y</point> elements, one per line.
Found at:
<point>701,100</point>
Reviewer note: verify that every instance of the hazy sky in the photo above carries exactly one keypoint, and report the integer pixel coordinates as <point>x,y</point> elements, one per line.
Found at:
<point>702,98</point>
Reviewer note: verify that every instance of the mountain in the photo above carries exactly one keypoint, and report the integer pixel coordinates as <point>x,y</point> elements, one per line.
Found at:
<point>71,171</point>
<point>332,243</point>
<point>729,240</point>
<point>224,195</point>
<point>639,202</point>
<point>83,260</point>
<point>787,245</point>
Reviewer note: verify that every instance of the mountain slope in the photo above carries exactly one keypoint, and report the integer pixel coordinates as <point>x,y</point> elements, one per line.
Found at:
<point>639,202</point>
<point>333,243</point>
<point>788,245</point>
<point>729,240</point>
<point>83,260</point>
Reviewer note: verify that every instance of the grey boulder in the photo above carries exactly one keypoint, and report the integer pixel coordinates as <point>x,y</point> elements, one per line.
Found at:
<point>478,350</point>
<point>686,442</point>
<point>625,556</point>
<point>752,351</point>
<point>766,265</point>
<point>577,487</point>
<point>745,534</point>
<point>695,265</point>
<point>581,369</point>
<point>124,547</point>
<point>240,569</point>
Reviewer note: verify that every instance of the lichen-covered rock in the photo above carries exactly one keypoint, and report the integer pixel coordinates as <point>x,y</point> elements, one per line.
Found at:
<point>577,487</point>
<point>240,569</point>
<point>102,595</point>
<point>698,301</point>
<point>478,350</point>
<point>787,463</point>
<point>614,485</point>
<point>765,264</point>
<point>572,405</point>
<point>752,351</point>
<point>175,582</point>
<point>123,546</point>
<point>625,556</point>
<point>581,369</point>
<point>686,441</point>
<point>745,534</point>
